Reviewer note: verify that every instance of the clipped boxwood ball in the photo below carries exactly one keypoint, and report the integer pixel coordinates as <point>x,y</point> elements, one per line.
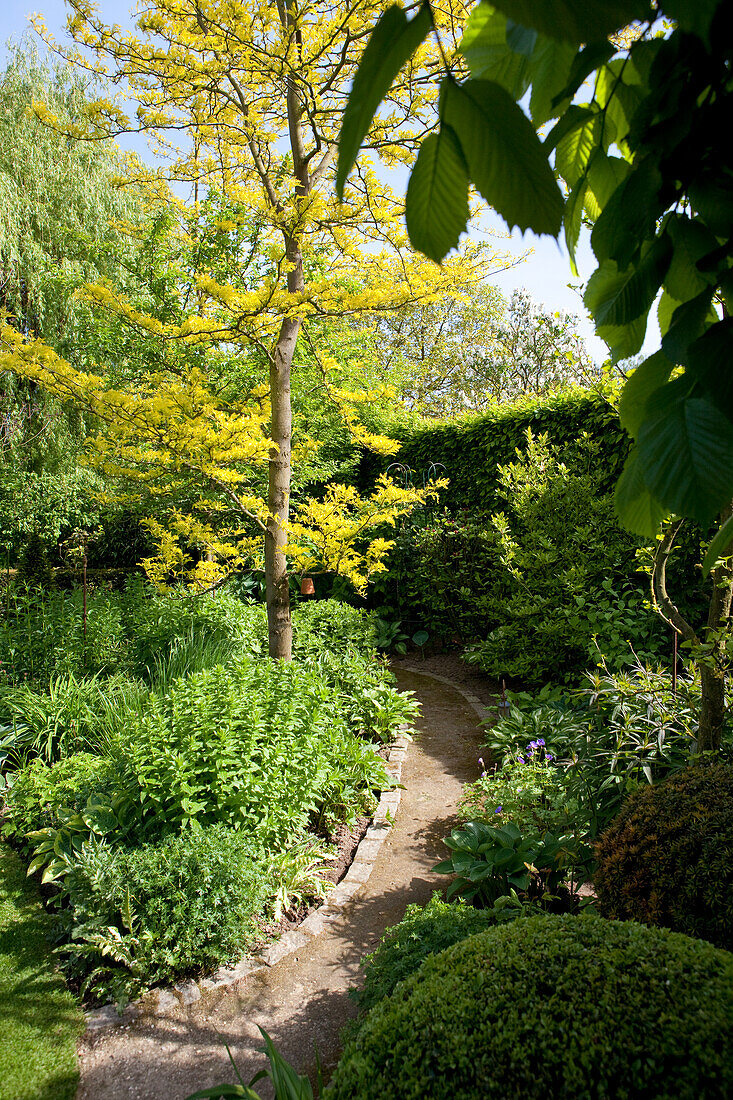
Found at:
<point>667,858</point>
<point>552,1007</point>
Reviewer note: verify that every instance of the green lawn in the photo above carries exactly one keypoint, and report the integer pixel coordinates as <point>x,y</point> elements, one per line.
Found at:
<point>39,1018</point>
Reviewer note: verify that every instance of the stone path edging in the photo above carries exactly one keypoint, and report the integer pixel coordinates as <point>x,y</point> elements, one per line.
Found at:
<point>160,1001</point>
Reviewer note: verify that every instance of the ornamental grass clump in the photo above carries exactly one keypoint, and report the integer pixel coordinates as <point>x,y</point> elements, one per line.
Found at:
<point>667,859</point>
<point>552,1007</point>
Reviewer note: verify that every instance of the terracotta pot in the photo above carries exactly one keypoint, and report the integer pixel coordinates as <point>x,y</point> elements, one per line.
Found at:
<point>307,587</point>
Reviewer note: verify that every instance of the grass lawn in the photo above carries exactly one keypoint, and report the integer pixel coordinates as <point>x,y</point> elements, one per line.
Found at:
<point>39,1018</point>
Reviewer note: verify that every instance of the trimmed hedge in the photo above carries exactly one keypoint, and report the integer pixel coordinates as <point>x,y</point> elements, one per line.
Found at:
<point>471,449</point>
<point>667,858</point>
<point>552,1007</point>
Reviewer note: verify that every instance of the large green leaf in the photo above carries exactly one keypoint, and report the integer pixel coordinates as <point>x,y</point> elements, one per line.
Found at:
<point>489,55</point>
<point>574,20</point>
<point>645,380</point>
<point>605,174</point>
<point>393,40</point>
<point>436,208</point>
<point>551,63</point>
<point>576,147</point>
<point>586,61</point>
<point>686,451</point>
<point>712,198</point>
<point>710,361</point>
<point>505,157</point>
<point>637,509</point>
<point>629,216</point>
<point>617,296</point>
<point>572,219</point>
<point>688,322</point>
<point>692,241</point>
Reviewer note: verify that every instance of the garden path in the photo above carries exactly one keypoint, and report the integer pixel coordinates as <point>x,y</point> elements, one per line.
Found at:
<point>302,1001</point>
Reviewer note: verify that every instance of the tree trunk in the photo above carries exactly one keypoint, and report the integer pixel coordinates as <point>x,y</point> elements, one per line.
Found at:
<point>713,666</point>
<point>279,628</point>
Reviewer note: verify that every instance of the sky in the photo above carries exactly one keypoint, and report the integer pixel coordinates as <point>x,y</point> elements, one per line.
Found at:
<point>546,274</point>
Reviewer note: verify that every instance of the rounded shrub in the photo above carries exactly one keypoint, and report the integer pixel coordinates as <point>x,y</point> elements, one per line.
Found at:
<point>551,1007</point>
<point>667,858</point>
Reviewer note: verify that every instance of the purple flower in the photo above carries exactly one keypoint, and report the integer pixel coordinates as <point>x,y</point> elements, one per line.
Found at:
<point>549,756</point>
<point>540,741</point>
<point>520,759</point>
<point>498,810</point>
<point>481,761</point>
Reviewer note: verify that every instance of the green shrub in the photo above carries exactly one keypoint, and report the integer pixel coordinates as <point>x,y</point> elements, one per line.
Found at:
<point>423,931</point>
<point>40,793</point>
<point>552,1007</point>
<point>531,791</point>
<point>667,859</point>
<point>320,625</point>
<point>181,905</point>
<point>33,565</point>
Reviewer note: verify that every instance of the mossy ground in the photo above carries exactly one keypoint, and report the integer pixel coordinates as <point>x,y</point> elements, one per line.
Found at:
<point>39,1019</point>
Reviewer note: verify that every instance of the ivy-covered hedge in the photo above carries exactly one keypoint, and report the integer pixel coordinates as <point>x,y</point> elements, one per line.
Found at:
<point>471,449</point>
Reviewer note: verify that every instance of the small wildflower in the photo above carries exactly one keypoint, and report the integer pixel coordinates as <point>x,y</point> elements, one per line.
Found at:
<point>549,756</point>
<point>498,810</point>
<point>520,759</point>
<point>540,741</point>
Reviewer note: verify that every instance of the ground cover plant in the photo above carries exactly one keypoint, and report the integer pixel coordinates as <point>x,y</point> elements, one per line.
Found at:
<point>39,1018</point>
<point>178,805</point>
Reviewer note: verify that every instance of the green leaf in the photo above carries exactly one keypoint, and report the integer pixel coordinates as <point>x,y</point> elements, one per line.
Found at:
<point>710,362</point>
<point>712,198</point>
<point>575,148</point>
<point>436,206</point>
<point>645,380</point>
<point>484,45</point>
<point>574,20</point>
<point>617,296</point>
<point>586,61</point>
<point>550,70</point>
<point>694,16</point>
<point>393,40</point>
<point>687,323</point>
<point>629,217</point>
<point>605,174</point>
<point>505,157</point>
<point>520,39</point>
<point>637,509</point>
<point>686,452</point>
<point>573,218</point>
<point>719,547</point>
<point>100,819</point>
<point>692,241</point>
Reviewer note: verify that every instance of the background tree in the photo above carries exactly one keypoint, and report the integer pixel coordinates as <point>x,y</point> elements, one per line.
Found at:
<point>637,116</point>
<point>254,98</point>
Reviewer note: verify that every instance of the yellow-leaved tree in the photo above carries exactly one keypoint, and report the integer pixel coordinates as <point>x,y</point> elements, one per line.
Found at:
<point>243,99</point>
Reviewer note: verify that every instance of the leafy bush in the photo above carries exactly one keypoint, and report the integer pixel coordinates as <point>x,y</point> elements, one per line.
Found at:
<point>41,796</point>
<point>180,905</point>
<point>488,862</point>
<point>667,858</point>
<point>552,1006</point>
<point>531,791</point>
<point>320,625</point>
<point>423,931</point>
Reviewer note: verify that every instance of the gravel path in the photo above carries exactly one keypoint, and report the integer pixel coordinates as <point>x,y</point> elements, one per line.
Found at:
<point>302,1001</point>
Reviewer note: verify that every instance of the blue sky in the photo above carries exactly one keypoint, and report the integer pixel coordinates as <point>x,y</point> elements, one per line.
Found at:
<point>546,274</point>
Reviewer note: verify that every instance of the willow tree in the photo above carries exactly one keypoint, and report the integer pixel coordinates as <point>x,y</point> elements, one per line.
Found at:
<point>246,98</point>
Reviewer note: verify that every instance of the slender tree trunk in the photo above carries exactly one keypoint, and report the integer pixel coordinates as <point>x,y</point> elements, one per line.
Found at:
<point>280,631</point>
<point>713,666</point>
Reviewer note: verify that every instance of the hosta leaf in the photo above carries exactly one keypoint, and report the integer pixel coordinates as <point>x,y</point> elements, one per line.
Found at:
<point>506,160</point>
<point>436,207</point>
<point>645,380</point>
<point>686,451</point>
<point>393,40</point>
<point>637,509</point>
<point>574,20</point>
